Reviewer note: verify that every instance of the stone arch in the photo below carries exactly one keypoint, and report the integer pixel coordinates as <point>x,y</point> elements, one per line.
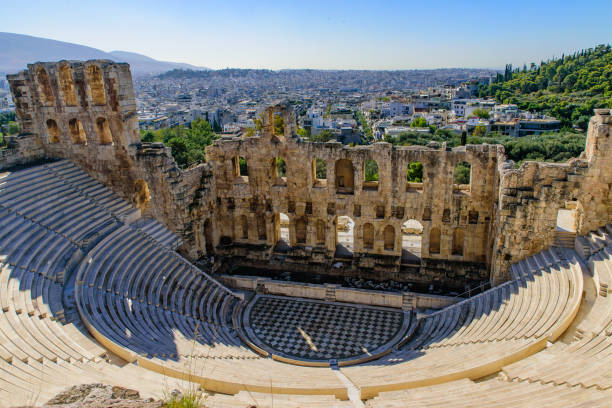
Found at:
<point>320,232</point>
<point>458,238</point>
<point>282,230</point>
<point>462,175</point>
<point>96,85</point>
<point>53,131</point>
<point>301,230</point>
<point>389,238</point>
<point>345,236</point>
<point>368,236</point>
<point>66,82</point>
<point>142,196</point>
<point>281,167</point>
<point>104,133</point>
<point>345,176</point>
<point>77,131</point>
<point>434,240</point>
<point>44,84</point>
<point>370,175</point>
<point>319,172</point>
<point>244,227</point>
<point>241,168</point>
<point>412,240</point>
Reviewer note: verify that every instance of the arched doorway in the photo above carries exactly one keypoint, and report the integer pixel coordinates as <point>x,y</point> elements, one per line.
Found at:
<point>345,232</point>
<point>412,237</point>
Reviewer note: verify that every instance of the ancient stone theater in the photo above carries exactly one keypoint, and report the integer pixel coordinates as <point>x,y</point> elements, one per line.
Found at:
<point>242,275</point>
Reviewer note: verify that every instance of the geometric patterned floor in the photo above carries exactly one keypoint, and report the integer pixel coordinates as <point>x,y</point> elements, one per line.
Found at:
<point>319,331</point>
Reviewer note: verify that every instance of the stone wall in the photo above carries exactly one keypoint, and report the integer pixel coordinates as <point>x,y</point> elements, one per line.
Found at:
<point>231,206</point>
<point>86,112</point>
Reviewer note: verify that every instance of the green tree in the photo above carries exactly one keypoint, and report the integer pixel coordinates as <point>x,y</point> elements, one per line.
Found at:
<point>419,122</point>
<point>12,128</point>
<point>148,136</point>
<point>414,172</point>
<point>371,170</point>
<point>244,171</point>
<point>480,131</point>
<point>481,113</point>
<point>462,173</point>
<point>279,125</point>
<point>281,167</point>
<point>323,136</point>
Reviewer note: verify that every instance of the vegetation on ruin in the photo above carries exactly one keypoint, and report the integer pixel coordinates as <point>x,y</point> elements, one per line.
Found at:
<point>323,136</point>
<point>550,147</point>
<point>568,88</point>
<point>187,142</point>
<point>414,172</point>
<point>8,126</point>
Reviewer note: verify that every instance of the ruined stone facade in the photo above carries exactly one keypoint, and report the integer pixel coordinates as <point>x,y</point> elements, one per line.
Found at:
<point>231,206</point>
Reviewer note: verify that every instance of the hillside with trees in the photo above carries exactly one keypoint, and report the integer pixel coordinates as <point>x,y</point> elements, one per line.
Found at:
<point>568,88</point>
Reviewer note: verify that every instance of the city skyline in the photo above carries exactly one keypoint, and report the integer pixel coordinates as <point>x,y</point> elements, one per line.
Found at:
<point>317,35</point>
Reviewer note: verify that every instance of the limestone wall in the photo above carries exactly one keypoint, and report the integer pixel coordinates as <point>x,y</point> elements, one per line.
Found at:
<point>231,206</point>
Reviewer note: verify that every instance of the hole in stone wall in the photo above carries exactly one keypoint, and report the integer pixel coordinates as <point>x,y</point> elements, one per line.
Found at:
<point>242,166</point>
<point>412,238</point>
<point>427,214</point>
<point>380,211</point>
<point>261,228</point>
<point>414,176</point>
<point>319,172</point>
<point>77,131</point>
<point>462,175</point>
<point>208,236</point>
<point>53,131</point>
<point>104,133</point>
<point>370,172</point>
<point>283,230</point>
<point>344,236</point>
<point>344,177</point>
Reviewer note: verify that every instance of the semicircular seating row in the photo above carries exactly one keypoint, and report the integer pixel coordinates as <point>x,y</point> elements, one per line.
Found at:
<point>49,216</point>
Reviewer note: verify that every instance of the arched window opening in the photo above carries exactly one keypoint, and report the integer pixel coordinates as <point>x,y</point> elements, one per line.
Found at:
<point>370,173</point>
<point>244,227</point>
<point>281,167</point>
<point>282,232</point>
<point>389,238</point>
<point>434,241</point>
<point>462,176</point>
<point>77,131</point>
<point>300,231</point>
<point>142,196</point>
<point>368,236</point>
<point>104,133</point>
<point>344,237</point>
<point>458,238</point>
<point>67,85</point>
<point>319,172</point>
<point>96,85</point>
<point>344,177</point>
<point>46,94</point>
<point>320,232</point>
<point>53,131</point>
<point>412,238</point>
<point>414,176</point>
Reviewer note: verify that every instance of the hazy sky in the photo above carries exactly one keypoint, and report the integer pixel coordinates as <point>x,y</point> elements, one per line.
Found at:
<point>321,34</point>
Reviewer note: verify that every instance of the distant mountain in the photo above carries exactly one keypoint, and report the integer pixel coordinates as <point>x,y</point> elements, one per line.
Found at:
<point>18,50</point>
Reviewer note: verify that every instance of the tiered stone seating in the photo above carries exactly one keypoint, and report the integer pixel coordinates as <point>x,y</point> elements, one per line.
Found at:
<point>261,400</point>
<point>491,393</point>
<point>584,357</point>
<point>39,355</point>
<point>478,336</point>
<point>594,241</point>
<point>158,232</point>
<point>149,305</point>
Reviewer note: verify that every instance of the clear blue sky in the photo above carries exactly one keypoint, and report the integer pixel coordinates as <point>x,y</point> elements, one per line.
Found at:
<point>321,34</point>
